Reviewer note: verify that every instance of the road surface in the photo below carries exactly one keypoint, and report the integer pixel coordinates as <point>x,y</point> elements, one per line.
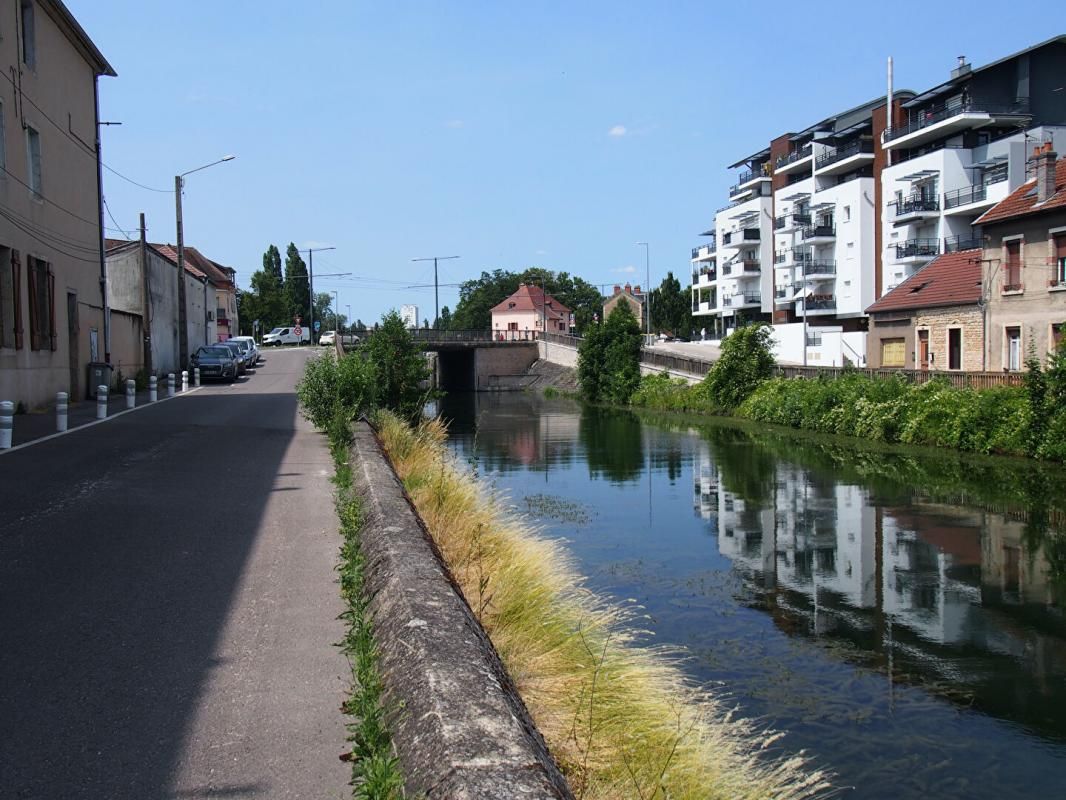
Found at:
<point>168,604</point>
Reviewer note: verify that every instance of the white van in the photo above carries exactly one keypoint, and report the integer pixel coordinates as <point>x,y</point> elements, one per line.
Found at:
<point>280,336</point>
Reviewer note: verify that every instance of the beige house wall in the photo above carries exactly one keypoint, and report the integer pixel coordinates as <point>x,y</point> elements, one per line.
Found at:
<point>938,322</point>
<point>635,305</point>
<point>60,225</point>
<point>1038,306</point>
<point>898,325</point>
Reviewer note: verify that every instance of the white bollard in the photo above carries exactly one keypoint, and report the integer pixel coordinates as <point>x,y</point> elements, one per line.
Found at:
<point>131,394</point>
<point>196,377</point>
<point>153,389</point>
<point>185,380</point>
<point>101,402</point>
<point>7,421</point>
<point>170,384</point>
<point>61,411</point>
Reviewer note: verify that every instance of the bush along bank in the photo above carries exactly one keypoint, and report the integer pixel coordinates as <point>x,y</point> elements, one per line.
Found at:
<point>1029,420</point>
<point>619,717</point>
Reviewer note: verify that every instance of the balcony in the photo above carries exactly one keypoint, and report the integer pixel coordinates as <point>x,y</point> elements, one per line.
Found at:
<point>793,222</point>
<point>745,237</point>
<point>819,269</point>
<point>749,183</point>
<point>704,252</point>
<point>915,251</point>
<point>747,267</point>
<point>945,119</point>
<point>846,158</point>
<point>974,199</point>
<point>953,244</point>
<point>819,234</point>
<point>794,161</point>
<point>746,299</point>
<point>782,295</point>
<point>915,208</point>
<point>818,304</point>
<point>704,276</point>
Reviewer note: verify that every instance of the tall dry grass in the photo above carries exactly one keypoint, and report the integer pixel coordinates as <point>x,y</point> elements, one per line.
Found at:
<point>620,717</point>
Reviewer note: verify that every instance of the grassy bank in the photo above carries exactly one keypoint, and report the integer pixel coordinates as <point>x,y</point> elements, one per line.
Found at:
<point>618,715</point>
<point>375,771</point>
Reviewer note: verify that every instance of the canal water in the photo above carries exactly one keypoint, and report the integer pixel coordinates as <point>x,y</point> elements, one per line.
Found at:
<point>898,615</point>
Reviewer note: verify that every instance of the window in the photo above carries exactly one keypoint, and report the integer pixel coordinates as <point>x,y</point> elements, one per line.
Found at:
<point>899,197</point>
<point>1012,266</point>
<point>847,213</point>
<point>1058,277</point>
<point>29,38</point>
<point>893,352</point>
<point>954,348</point>
<point>41,284</point>
<point>33,155</point>
<point>1014,349</point>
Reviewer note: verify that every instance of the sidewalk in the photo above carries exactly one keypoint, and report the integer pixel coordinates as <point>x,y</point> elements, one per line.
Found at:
<point>38,424</point>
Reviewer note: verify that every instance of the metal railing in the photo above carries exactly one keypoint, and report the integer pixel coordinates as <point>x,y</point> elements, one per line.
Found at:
<point>434,336</point>
<point>915,203</point>
<point>847,151</point>
<point>963,197</point>
<point>816,231</point>
<point>962,380</point>
<point>820,267</point>
<point>930,115</point>
<point>793,157</point>
<point>953,244</point>
<point>918,248</point>
<point>747,299</point>
<point>819,303</point>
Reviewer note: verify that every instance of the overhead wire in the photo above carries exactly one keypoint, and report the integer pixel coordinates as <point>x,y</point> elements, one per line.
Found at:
<point>112,216</point>
<point>30,232</point>
<point>48,233</point>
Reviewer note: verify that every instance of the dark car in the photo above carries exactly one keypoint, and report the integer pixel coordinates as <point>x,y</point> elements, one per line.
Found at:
<point>248,354</point>
<point>215,361</point>
<point>238,355</point>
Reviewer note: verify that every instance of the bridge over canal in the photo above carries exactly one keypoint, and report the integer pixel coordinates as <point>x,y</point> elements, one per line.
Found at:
<point>480,360</point>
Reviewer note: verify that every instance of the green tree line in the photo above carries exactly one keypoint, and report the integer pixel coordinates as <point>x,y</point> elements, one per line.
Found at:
<point>278,296</point>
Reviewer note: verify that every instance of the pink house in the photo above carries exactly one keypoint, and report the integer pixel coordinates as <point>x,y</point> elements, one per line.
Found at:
<point>527,311</point>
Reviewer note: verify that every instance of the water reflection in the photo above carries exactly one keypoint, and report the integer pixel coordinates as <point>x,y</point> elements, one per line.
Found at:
<point>898,614</point>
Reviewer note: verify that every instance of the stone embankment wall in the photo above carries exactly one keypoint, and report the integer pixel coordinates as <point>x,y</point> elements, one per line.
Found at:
<point>566,355</point>
<point>460,728</point>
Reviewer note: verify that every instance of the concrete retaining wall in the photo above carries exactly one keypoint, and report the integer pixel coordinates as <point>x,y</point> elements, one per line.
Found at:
<point>460,729</point>
<point>566,356</point>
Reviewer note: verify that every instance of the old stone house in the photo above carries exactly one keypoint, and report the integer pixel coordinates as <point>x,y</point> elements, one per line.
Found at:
<point>1024,265</point>
<point>626,294</point>
<point>933,320</point>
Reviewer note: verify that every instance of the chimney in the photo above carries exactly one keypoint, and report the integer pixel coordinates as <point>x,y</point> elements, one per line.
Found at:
<point>636,289</point>
<point>629,289</point>
<point>963,68</point>
<point>1044,168</point>
<point>617,289</point>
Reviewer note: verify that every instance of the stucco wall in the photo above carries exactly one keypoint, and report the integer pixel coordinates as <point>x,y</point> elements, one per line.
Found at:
<point>1037,306</point>
<point>895,326</point>
<point>622,297</point>
<point>127,344</point>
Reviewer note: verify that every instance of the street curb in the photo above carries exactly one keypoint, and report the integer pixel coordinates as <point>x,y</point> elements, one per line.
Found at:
<point>460,728</point>
<point>109,417</point>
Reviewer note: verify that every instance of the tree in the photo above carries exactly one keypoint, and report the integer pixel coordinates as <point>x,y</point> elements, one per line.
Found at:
<point>266,299</point>
<point>399,365</point>
<point>360,325</point>
<point>297,288</point>
<point>444,322</point>
<point>608,362</point>
<point>671,308</point>
<point>746,360</point>
<point>478,296</point>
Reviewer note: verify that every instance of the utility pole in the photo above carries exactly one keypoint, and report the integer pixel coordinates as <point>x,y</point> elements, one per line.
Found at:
<point>349,309</point>
<point>146,312</point>
<point>436,285</point>
<point>311,287</point>
<point>647,288</point>
<point>336,311</point>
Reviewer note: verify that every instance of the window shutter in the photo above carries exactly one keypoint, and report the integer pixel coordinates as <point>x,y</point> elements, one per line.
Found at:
<point>35,312</point>
<point>52,309</point>
<point>16,284</point>
<point>1060,247</point>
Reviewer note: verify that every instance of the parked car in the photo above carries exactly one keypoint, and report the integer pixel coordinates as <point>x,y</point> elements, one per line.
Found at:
<point>251,343</point>
<point>247,355</point>
<point>280,336</point>
<point>215,361</point>
<point>238,356</point>
<point>329,338</point>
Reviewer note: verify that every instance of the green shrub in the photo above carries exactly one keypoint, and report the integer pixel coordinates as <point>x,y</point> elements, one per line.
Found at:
<point>608,362</point>
<point>746,360</point>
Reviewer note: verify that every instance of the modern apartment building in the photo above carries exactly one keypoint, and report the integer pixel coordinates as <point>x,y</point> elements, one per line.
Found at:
<point>53,319</point>
<point>825,221</point>
<point>961,147</point>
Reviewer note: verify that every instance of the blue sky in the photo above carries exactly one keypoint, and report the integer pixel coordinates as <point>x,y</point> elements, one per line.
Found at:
<point>541,133</point>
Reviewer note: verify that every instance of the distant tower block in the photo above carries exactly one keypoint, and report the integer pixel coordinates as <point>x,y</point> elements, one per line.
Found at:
<point>410,316</point>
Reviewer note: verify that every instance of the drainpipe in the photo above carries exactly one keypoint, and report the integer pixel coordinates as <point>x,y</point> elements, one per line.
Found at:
<point>100,209</point>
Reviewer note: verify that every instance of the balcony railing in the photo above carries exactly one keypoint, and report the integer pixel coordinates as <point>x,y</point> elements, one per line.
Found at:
<point>930,115</point>
<point>783,294</point>
<point>780,222</point>
<point>825,302</point>
<point>847,151</point>
<point>793,157</point>
<point>913,248</point>
<point>820,267</point>
<point>748,299</point>
<point>969,241</point>
<point>974,194</point>
<point>710,274</point>
<point>915,203</point>
<point>819,231</point>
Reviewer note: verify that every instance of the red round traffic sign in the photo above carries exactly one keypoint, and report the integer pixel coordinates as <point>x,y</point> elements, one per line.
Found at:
<point>297,330</point>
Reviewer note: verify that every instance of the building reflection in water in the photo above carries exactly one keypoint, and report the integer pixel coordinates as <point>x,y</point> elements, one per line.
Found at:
<point>952,598</point>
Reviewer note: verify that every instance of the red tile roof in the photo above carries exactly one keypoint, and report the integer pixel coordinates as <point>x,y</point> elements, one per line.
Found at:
<point>196,263</point>
<point>953,279</point>
<point>533,298</point>
<point>1022,200</point>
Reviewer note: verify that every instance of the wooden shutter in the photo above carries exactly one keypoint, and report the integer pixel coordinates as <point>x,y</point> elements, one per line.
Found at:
<point>1060,246</point>
<point>893,353</point>
<point>52,309</point>
<point>35,312</point>
<point>16,286</point>
<point>1014,264</point>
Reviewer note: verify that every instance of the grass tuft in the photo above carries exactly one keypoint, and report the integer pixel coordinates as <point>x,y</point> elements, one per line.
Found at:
<point>619,716</point>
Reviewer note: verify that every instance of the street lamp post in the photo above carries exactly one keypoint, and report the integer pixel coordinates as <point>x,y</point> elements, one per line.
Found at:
<point>311,287</point>
<point>647,288</point>
<point>436,294</point>
<point>183,323</point>
<point>348,308</point>
<point>336,310</point>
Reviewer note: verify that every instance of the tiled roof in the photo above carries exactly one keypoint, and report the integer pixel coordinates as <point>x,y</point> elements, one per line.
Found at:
<point>533,298</point>
<point>196,264</point>
<point>1022,200</point>
<point>953,279</point>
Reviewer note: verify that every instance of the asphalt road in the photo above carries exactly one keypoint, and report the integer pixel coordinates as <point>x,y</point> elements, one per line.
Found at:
<point>168,604</point>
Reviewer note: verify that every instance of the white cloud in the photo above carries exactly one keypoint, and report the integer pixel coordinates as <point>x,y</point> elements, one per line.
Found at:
<point>617,130</point>
<point>453,123</point>
<point>629,269</point>
<point>542,252</point>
